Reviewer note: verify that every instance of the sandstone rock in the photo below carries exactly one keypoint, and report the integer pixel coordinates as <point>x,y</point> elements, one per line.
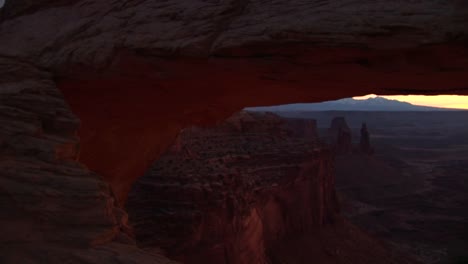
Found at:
<point>303,128</point>
<point>340,136</point>
<point>53,209</point>
<point>228,207</point>
<point>364,142</point>
<point>253,122</point>
<point>247,189</point>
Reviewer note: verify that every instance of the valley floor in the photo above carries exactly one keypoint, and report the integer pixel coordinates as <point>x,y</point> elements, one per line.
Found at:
<point>413,193</point>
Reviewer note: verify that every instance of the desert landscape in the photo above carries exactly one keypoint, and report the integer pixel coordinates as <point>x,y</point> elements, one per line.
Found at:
<point>265,188</point>
<point>412,192</point>
<point>257,188</point>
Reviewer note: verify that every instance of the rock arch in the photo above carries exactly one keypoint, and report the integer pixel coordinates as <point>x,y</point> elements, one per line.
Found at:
<point>135,72</point>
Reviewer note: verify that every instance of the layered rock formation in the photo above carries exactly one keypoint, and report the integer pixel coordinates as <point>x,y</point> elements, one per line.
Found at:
<point>53,209</point>
<point>302,128</point>
<point>243,191</point>
<point>339,136</point>
<point>251,122</point>
<point>243,198</point>
<point>136,72</point>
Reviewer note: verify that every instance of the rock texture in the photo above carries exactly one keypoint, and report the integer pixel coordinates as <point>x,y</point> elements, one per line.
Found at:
<point>243,198</point>
<point>136,72</point>
<point>121,65</point>
<point>53,209</point>
<point>303,128</point>
<point>339,136</point>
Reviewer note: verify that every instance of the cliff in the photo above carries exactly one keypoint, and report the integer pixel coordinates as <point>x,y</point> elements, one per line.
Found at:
<point>302,128</point>
<point>244,191</point>
<point>364,141</point>
<point>339,136</point>
<point>53,209</point>
<point>243,198</point>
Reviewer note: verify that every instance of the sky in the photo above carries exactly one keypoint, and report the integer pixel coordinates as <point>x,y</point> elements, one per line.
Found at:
<point>445,101</point>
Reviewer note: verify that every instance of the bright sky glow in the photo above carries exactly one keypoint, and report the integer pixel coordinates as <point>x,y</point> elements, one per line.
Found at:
<point>446,101</point>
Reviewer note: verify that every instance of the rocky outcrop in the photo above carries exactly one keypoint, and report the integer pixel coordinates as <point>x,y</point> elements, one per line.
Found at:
<point>246,190</point>
<point>244,199</point>
<point>50,202</point>
<point>364,141</point>
<point>339,136</point>
<point>302,128</point>
<point>252,122</point>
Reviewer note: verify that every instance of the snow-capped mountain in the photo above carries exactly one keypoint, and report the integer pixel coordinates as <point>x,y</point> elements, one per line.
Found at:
<point>349,104</point>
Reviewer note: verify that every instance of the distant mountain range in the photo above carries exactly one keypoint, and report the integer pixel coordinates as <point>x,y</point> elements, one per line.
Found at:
<point>350,104</point>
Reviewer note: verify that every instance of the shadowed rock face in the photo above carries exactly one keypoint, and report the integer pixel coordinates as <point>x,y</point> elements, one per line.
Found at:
<point>303,128</point>
<point>364,141</point>
<point>54,209</point>
<point>340,136</point>
<point>122,65</point>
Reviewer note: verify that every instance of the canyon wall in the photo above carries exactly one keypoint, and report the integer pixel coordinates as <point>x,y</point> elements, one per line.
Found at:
<point>339,136</point>
<point>303,128</point>
<point>244,191</point>
<point>245,196</point>
<point>53,209</point>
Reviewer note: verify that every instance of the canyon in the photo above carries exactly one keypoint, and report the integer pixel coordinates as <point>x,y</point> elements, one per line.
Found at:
<point>93,92</point>
<point>411,191</point>
<point>245,187</point>
<point>244,192</point>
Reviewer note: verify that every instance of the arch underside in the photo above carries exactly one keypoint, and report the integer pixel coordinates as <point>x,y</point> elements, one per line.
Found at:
<point>130,114</point>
